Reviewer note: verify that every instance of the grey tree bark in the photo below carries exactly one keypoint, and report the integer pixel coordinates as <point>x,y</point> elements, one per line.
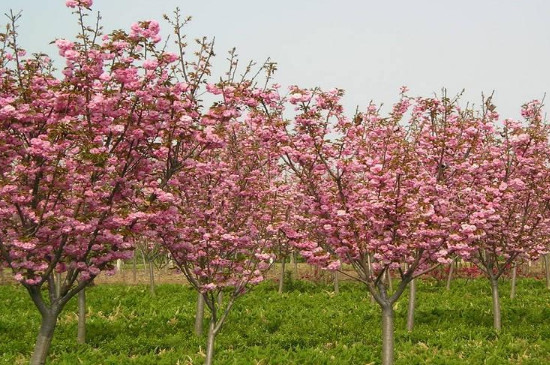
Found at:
<point>389,279</point>
<point>81,334</point>
<point>151,278</point>
<point>282,276</point>
<point>386,302</point>
<point>45,336</point>
<point>57,284</point>
<point>49,312</point>
<point>214,303</point>
<point>387,334</point>
<point>336,282</point>
<point>547,269</point>
<point>199,316</point>
<point>450,276</point>
<point>134,268</point>
<point>513,283</point>
<point>497,319</point>
<point>210,342</point>
<point>294,262</point>
<point>412,305</point>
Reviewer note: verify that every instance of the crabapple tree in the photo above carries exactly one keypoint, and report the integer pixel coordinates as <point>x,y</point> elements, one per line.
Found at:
<point>74,149</point>
<point>503,207</point>
<point>216,213</point>
<point>372,192</point>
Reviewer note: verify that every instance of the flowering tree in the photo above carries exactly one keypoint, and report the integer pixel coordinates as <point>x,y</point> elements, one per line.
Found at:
<point>218,215</point>
<point>503,208</point>
<point>375,192</point>
<point>449,138</point>
<point>73,152</point>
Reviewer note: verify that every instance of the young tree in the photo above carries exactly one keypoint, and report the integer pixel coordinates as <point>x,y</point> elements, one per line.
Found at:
<point>74,155</point>
<point>504,205</point>
<point>447,137</point>
<point>216,213</point>
<point>152,254</point>
<point>368,196</point>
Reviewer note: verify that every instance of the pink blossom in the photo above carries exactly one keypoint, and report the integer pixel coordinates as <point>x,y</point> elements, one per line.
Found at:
<point>334,265</point>
<point>208,287</point>
<point>376,169</point>
<point>150,64</point>
<point>82,3</point>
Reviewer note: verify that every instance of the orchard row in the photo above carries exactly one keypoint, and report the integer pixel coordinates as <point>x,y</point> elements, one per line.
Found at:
<point>134,145</point>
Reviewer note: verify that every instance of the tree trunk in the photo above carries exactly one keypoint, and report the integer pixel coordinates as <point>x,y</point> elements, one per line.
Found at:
<point>81,332</point>
<point>134,268</point>
<point>151,278</point>
<point>513,283</point>
<point>57,284</point>
<point>336,282</point>
<point>450,276</point>
<point>497,321</point>
<point>388,277</point>
<point>547,269</point>
<point>210,342</point>
<point>282,276</point>
<point>295,263</point>
<point>387,334</point>
<point>412,304</point>
<point>44,339</point>
<point>372,299</point>
<point>199,316</point>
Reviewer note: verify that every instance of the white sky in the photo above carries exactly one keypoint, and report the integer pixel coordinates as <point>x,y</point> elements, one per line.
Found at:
<point>368,48</point>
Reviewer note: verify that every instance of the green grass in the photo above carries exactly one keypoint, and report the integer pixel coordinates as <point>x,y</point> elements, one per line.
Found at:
<point>307,325</point>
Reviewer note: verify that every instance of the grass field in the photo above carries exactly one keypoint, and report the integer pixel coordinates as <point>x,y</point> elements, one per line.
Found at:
<point>306,325</point>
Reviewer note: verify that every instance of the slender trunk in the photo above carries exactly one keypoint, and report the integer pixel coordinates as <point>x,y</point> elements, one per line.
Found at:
<point>295,263</point>
<point>2,278</point>
<point>199,316</point>
<point>57,284</point>
<point>81,336</point>
<point>412,304</point>
<point>282,276</point>
<point>386,303</point>
<point>497,322</point>
<point>390,284</point>
<point>143,259</point>
<point>547,269</point>
<point>44,339</point>
<point>316,275</point>
<point>151,278</point>
<point>210,342</point>
<point>513,284</point>
<point>387,334</point>
<point>165,265</point>
<point>336,282</point>
<point>372,299</point>
<point>450,276</point>
<point>134,268</point>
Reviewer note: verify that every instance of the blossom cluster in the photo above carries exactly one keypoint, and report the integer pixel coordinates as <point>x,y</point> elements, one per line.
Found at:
<point>120,149</point>
<point>412,190</point>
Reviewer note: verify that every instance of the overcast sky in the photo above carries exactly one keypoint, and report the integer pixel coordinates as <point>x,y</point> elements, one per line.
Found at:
<point>369,48</point>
